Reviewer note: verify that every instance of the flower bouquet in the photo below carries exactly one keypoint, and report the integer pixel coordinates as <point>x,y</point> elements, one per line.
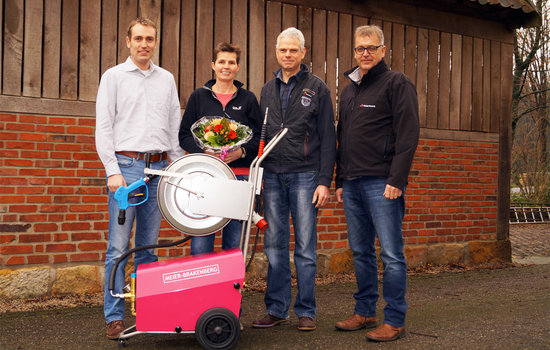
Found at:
<point>220,135</point>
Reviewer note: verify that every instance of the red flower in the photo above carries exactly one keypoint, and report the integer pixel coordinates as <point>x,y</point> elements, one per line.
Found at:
<point>218,127</point>
<point>232,134</point>
<point>207,128</point>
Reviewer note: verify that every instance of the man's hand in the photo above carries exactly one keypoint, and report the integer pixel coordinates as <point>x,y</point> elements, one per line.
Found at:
<point>392,192</point>
<point>339,195</point>
<point>233,155</point>
<point>115,181</point>
<point>321,196</point>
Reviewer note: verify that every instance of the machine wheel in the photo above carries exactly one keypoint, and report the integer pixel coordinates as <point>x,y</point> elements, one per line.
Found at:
<point>121,343</point>
<point>217,328</point>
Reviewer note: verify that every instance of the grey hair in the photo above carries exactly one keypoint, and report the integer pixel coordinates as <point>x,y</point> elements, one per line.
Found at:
<point>292,33</point>
<point>369,31</point>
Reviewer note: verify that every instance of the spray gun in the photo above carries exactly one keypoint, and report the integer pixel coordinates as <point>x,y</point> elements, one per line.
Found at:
<point>123,193</point>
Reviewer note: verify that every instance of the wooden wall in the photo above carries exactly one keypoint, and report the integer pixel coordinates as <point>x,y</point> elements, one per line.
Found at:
<point>54,52</point>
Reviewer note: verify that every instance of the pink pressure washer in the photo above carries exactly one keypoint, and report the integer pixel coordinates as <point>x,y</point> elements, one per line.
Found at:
<point>198,194</point>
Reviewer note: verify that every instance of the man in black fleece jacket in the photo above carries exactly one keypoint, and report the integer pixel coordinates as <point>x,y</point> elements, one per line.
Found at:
<point>378,132</point>
<point>297,178</point>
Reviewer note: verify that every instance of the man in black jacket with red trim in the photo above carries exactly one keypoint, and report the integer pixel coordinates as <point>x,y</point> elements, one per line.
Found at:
<point>378,132</point>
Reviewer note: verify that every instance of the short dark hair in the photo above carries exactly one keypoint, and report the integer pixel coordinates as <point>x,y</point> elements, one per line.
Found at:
<point>226,47</point>
<point>144,22</point>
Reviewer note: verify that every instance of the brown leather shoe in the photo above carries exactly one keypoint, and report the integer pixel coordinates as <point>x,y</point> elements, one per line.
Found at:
<point>306,324</point>
<point>386,333</point>
<point>114,329</point>
<point>356,322</point>
<point>269,321</point>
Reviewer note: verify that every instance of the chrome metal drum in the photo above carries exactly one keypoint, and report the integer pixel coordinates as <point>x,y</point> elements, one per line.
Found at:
<point>173,198</point>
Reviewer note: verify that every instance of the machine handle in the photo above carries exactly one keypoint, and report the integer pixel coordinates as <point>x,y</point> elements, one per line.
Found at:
<point>122,195</point>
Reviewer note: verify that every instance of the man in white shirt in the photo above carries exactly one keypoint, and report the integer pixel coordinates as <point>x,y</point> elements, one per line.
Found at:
<point>137,117</point>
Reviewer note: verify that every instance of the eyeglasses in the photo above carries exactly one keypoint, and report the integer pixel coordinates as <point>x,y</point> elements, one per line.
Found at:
<point>370,49</point>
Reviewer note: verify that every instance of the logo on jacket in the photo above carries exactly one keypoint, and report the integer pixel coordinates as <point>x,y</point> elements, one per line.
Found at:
<point>307,94</point>
<point>237,108</point>
<point>367,106</point>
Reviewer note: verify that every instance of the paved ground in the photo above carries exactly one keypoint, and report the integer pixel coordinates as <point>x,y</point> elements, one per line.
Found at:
<point>530,243</point>
<point>505,308</point>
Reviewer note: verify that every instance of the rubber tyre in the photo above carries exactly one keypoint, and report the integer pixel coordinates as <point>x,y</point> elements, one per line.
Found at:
<point>217,328</point>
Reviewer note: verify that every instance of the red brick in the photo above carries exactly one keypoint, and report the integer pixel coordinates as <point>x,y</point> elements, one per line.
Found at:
<point>60,248</point>
<point>7,238</point>
<point>39,199</point>
<point>33,238</point>
<point>92,246</point>
<point>57,259</point>
<point>75,226</point>
<point>53,208</point>
<point>45,227</point>
<point>80,257</point>
<point>15,260</point>
<point>59,237</point>
<point>23,208</point>
<point>85,236</point>
<point>38,259</point>
<point>16,249</point>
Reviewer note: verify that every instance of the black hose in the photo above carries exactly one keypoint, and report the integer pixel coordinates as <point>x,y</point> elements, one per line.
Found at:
<point>137,249</point>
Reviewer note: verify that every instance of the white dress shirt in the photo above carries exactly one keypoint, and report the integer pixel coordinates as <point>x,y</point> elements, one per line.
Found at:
<point>136,111</point>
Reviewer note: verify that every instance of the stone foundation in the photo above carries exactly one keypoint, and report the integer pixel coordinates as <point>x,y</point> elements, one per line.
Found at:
<point>87,279</point>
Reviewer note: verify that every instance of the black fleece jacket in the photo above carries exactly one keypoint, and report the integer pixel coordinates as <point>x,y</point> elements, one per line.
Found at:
<point>378,128</point>
<point>243,108</point>
<point>310,144</point>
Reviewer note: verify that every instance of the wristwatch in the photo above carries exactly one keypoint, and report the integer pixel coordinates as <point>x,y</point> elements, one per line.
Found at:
<point>243,154</point>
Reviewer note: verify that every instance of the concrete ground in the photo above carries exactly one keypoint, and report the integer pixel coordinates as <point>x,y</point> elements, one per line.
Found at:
<point>504,308</point>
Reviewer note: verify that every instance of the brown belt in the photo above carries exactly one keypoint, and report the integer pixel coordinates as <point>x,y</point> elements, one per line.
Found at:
<point>155,157</point>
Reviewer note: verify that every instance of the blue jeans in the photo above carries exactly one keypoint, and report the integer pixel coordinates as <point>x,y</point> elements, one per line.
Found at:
<point>369,213</point>
<point>283,194</point>
<point>231,235</point>
<point>147,217</point>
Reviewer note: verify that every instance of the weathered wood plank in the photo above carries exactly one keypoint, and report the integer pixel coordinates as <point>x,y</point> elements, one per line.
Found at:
<point>345,49</point>
<point>414,14</point>
<point>32,59</point>
<point>422,75</point>
<point>444,80</point>
<point>466,89</point>
<point>52,49</point>
<point>319,43</point>
<point>456,74</point>
<point>387,30</point>
<point>1,41</point>
<point>505,142</point>
<point>152,9</point>
<point>109,35</point>
<point>204,43</point>
<point>89,72</point>
<point>187,52</point>
<point>239,35</point>
<point>13,47</point>
<point>272,30</point>
<point>32,105</point>
<point>305,19</point>
<point>257,50</point>
<point>332,54</point>
<point>496,102</point>
<point>69,51</point>
<point>477,86</point>
<point>222,21</point>
<point>433,79</point>
<point>411,44</point>
<point>127,11</point>
<point>486,85</point>
<point>398,48</point>
<point>290,16</point>
<point>170,44</point>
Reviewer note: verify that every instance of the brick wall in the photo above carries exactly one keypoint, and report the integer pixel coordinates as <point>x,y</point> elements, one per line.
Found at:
<point>53,206</point>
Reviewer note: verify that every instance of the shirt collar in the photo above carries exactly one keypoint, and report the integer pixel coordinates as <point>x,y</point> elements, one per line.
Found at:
<point>129,66</point>
<point>303,70</point>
